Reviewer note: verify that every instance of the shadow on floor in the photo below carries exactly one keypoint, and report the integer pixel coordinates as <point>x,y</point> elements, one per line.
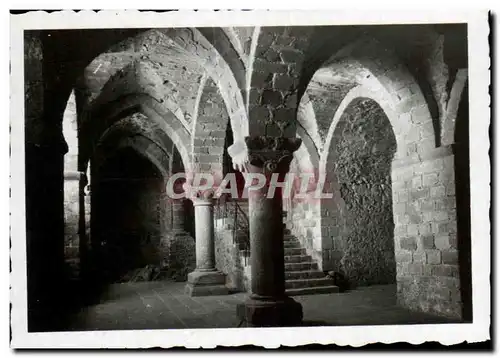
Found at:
<point>163,305</point>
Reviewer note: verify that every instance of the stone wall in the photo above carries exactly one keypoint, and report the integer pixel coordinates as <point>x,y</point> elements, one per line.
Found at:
<point>279,54</point>
<point>359,171</point>
<point>178,249</point>
<point>303,220</point>
<point>426,234</point>
<point>232,254</point>
<point>71,218</point>
<point>179,253</point>
<point>71,187</point>
<point>230,259</point>
<point>128,211</point>
<point>33,84</point>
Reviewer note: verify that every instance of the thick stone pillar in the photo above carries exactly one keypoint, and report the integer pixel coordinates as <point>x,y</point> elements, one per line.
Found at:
<point>205,280</point>
<point>45,228</point>
<point>268,304</point>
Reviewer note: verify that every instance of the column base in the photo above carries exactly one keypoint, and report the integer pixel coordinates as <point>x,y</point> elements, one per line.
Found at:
<point>270,312</point>
<point>206,283</point>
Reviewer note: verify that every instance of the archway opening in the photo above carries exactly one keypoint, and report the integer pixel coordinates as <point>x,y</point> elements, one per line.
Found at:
<point>359,167</point>
<point>127,192</point>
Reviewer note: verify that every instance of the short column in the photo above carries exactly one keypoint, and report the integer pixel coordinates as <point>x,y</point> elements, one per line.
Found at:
<point>205,280</point>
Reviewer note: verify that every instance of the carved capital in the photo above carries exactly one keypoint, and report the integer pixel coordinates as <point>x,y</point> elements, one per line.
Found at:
<point>199,196</point>
<point>271,154</point>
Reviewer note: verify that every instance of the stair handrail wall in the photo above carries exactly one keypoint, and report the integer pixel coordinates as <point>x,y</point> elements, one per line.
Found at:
<point>239,222</point>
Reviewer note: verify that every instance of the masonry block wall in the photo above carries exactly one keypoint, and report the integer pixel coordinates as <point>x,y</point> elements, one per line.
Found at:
<point>230,260</point>
<point>426,239</point>
<point>387,218</point>
<point>303,221</point>
<point>178,251</point>
<point>305,225</point>
<point>71,219</point>
<point>127,207</point>
<point>303,213</point>
<point>276,71</point>
<point>210,130</point>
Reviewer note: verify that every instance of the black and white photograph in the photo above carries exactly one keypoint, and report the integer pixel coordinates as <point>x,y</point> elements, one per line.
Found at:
<point>243,177</point>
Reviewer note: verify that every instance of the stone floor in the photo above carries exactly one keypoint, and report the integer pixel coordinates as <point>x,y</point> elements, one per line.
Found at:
<point>163,305</point>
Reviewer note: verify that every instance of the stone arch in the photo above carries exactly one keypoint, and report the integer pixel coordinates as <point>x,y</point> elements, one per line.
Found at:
<point>306,119</point>
<point>358,222</point>
<point>128,207</point>
<point>138,77</point>
<point>353,94</point>
<point>368,62</point>
<point>193,49</point>
<point>192,41</point>
<point>448,129</point>
<point>227,44</point>
<point>148,106</point>
<point>333,211</point>
<point>144,147</point>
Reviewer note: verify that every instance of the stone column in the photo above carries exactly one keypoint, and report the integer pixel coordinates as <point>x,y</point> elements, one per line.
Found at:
<point>44,185</point>
<point>268,304</point>
<point>205,280</point>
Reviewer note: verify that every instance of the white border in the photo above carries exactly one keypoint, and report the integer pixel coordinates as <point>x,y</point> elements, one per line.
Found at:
<point>268,337</point>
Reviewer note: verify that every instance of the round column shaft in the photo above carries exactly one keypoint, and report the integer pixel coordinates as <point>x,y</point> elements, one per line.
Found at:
<point>205,280</point>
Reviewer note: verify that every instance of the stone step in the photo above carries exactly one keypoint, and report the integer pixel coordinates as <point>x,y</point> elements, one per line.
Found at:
<point>311,290</point>
<point>289,238</point>
<point>291,244</point>
<point>301,266</point>
<point>297,258</point>
<point>295,251</point>
<point>296,275</point>
<point>311,282</point>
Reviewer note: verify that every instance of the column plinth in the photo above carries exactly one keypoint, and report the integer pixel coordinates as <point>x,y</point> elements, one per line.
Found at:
<point>268,305</point>
<point>205,280</point>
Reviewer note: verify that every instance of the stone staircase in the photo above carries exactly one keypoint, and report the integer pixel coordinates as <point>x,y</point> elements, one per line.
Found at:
<point>302,276</point>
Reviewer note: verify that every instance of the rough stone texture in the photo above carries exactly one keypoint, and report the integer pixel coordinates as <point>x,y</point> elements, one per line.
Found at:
<point>231,260</point>
<point>206,283</point>
<point>206,279</point>
<point>261,313</point>
<point>128,215</point>
<point>210,130</point>
<point>179,255</point>
<point>361,162</point>
<point>303,214</point>
<point>33,83</point>
<point>165,68</point>
<point>425,214</point>
<point>304,222</point>
<point>72,179</point>
<point>275,78</point>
